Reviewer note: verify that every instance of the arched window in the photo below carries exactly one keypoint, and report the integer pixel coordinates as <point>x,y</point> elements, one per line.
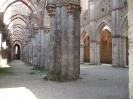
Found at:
<point>16,50</point>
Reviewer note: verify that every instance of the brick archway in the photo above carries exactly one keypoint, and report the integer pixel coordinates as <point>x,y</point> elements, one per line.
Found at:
<point>36,15</point>
<point>105,46</point>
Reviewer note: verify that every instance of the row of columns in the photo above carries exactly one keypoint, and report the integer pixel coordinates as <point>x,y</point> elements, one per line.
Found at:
<point>36,49</point>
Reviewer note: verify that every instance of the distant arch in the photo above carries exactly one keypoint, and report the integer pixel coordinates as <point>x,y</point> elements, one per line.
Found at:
<point>101,25</point>
<point>22,18</point>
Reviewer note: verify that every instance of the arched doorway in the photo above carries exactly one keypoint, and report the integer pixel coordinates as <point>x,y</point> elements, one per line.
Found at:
<point>16,51</point>
<point>86,48</point>
<point>105,46</point>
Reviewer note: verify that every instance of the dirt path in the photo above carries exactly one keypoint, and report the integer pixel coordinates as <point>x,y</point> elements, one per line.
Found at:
<point>96,82</point>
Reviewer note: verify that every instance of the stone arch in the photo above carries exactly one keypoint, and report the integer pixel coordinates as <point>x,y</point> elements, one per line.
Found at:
<point>22,18</point>
<point>100,27</point>
<point>105,47</point>
<point>16,51</point>
<point>13,44</point>
<point>36,15</point>
<point>17,26</point>
<point>8,3</point>
<point>124,41</point>
<point>16,33</point>
<point>84,47</point>
<point>104,39</point>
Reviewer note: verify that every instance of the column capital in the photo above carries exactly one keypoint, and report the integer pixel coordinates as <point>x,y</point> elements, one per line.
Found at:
<point>51,10</point>
<point>46,30</point>
<point>72,6</point>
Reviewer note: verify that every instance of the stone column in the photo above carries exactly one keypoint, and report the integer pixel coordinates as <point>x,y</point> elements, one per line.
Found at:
<point>46,45</point>
<point>36,29</point>
<point>33,47</point>
<point>8,49</point>
<point>71,41</point>
<point>43,52</point>
<point>77,42</point>
<point>39,49</point>
<point>115,51</point>
<point>32,42</point>
<point>52,72</point>
<point>130,36</point>
<point>92,31</point>
<point>73,35</point>
<point>35,52</point>
<point>29,50</point>
<point>26,52</point>
<point>116,40</point>
<point>124,54</point>
<point>95,52</point>
<point>82,53</point>
<point>58,40</point>
<point>64,38</point>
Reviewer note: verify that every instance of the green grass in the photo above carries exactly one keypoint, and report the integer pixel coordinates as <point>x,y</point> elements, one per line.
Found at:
<point>39,72</point>
<point>28,64</point>
<point>4,72</point>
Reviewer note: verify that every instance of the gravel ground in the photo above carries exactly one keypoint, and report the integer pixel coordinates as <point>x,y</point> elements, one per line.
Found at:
<point>96,82</point>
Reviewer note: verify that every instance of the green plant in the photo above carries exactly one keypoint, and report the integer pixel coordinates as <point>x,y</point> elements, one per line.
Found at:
<point>46,78</point>
<point>125,2</point>
<point>4,72</point>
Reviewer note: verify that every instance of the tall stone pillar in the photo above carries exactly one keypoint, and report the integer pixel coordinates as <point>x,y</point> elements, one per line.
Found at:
<point>29,50</point>
<point>115,35</point>
<point>82,53</point>
<point>64,30</point>
<point>94,45</point>
<point>70,35</point>
<point>46,45</point>
<point>33,48</point>
<point>52,72</point>
<point>39,49</point>
<point>36,29</point>
<point>130,36</point>
<point>43,51</point>
<point>95,52</point>
<point>26,51</point>
<point>32,42</point>
<point>77,42</point>
<point>8,50</point>
<point>64,40</point>
<point>124,54</point>
<point>58,40</point>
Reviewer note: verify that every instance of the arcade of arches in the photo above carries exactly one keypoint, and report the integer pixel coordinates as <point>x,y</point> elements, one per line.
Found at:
<point>60,34</point>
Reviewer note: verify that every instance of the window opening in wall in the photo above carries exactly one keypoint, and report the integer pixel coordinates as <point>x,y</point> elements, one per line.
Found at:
<point>16,50</point>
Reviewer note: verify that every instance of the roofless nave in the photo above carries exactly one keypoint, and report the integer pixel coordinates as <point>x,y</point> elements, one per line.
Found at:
<point>59,34</point>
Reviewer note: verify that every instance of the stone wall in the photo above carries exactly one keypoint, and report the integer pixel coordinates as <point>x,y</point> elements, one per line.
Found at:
<point>100,13</point>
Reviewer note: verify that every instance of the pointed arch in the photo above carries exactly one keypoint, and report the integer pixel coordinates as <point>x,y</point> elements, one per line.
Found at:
<point>8,3</point>
<point>101,25</point>
<point>17,26</point>
<point>20,17</point>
